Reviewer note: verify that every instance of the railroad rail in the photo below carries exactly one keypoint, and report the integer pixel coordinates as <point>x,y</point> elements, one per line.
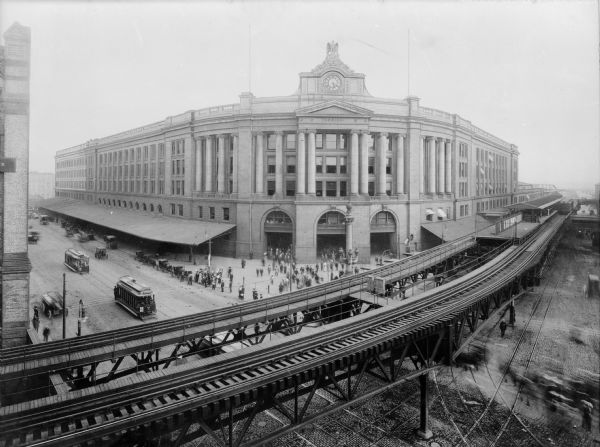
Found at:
<point>420,329</point>
<point>111,345</point>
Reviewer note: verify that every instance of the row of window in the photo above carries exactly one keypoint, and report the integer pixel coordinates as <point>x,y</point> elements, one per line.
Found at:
<point>212,212</point>
<point>491,204</point>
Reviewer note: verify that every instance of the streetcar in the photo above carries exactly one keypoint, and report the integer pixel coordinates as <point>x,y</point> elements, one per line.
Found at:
<point>135,297</point>
<point>44,219</point>
<point>77,261</point>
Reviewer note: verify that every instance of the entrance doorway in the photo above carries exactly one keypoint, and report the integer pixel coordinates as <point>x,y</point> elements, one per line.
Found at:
<point>331,234</point>
<point>279,231</point>
<point>383,233</point>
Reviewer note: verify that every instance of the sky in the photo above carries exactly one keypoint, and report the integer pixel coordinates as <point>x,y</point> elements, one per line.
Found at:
<point>527,72</point>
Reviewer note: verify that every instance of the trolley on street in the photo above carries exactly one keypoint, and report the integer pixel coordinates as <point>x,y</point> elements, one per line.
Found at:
<point>77,261</point>
<point>135,297</point>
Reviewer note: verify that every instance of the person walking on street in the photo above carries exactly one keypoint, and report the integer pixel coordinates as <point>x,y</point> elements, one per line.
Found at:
<point>36,322</point>
<point>502,328</point>
<point>46,333</point>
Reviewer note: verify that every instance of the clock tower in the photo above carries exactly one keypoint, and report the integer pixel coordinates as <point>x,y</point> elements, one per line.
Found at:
<point>332,77</point>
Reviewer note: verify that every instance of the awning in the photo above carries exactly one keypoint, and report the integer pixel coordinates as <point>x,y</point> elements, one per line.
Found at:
<point>441,213</point>
<point>144,225</point>
<point>429,212</point>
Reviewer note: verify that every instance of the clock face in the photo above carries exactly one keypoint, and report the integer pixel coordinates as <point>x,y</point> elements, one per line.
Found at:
<point>332,83</point>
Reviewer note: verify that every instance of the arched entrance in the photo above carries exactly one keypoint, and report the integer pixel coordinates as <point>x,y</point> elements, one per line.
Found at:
<point>383,233</point>
<point>279,230</point>
<point>331,234</point>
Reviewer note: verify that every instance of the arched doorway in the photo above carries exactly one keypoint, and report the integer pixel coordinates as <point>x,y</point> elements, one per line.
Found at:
<point>279,230</point>
<point>383,233</point>
<point>331,234</point>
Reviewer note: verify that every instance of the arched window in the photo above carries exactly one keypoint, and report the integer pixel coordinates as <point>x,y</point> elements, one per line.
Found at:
<point>332,218</point>
<point>160,209</point>
<point>152,207</point>
<point>137,206</point>
<point>278,217</point>
<point>119,202</point>
<point>383,218</point>
<point>114,203</point>
<point>130,205</point>
<point>99,200</point>
<point>144,206</point>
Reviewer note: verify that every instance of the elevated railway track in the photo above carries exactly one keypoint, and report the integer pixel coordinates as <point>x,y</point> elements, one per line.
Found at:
<point>144,341</point>
<point>395,344</point>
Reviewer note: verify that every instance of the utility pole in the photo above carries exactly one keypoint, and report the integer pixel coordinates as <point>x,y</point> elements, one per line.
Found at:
<point>64,306</point>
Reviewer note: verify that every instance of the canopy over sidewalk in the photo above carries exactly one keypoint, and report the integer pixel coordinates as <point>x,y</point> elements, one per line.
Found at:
<point>144,225</point>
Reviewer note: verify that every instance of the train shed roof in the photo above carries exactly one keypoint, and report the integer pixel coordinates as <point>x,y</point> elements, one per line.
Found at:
<point>144,225</point>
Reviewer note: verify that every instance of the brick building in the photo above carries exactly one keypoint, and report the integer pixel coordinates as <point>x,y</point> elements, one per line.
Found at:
<point>327,167</point>
<point>14,160</point>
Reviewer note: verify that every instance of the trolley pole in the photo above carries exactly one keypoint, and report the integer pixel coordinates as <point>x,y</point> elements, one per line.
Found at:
<point>64,306</point>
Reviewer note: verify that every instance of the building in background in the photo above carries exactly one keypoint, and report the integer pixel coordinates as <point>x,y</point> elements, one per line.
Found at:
<point>14,169</point>
<point>328,168</point>
<point>41,185</point>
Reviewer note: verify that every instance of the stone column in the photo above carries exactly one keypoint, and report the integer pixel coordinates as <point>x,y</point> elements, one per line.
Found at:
<point>399,164</point>
<point>198,165</point>
<point>364,163</point>
<point>168,169</point>
<point>311,166</point>
<point>236,144</point>
<point>221,163</point>
<point>354,167</point>
<point>448,149</point>
<point>349,242</point>
<point>279,163</point>
<point>431,163</point>
<point>380,163</point>
<point>441,166</point>
<point>423,147</point>
<point>208,165</point>
<point>301,164</point>
<point>259,179</point>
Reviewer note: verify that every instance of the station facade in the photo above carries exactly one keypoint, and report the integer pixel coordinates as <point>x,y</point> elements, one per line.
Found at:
<point>328,167</point>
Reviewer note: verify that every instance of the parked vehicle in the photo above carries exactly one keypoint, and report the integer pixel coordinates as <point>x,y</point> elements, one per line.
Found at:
<point>135,297</point>
<point>44,219</point>
<point>77,261</point>
<point>111,241</point>
<point>53,304</point>
<point>101,253</point>
<point>33,237</point>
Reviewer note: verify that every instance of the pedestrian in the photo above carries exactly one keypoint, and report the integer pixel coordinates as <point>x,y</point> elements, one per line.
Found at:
<point>502,328</point>
<point>36,322</point>
<point>46,333</point>
<point>36,312</point>
<point>222,286</point>
<point>230,286</point>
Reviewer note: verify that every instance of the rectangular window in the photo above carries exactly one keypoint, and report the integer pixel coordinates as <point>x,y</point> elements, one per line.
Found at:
<point>342,142</point>
<point>388,166</point>
<point>211,212</point>
<point>319,141</point>
<point>290,188</point>
<point>291,165</point>
<point>180,209</point>
<point>371,169</point>
<point>172,208</point>
<point>200,212</point>
<point>319,189</point>
<point>271,142</point>
<point>270,187</point>
<point>343,165</point>
<point>331,163</point>
<point>290,141</point>
<point>330,141</point>
<point>388,188</point>
<point>371,188</point>
<point>343,191</point>
<point>225,213</point>
<point>270,165</point>
<point>331,189</point>
<point>319,164</point>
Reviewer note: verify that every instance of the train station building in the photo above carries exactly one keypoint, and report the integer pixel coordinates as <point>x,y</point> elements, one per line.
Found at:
<point>329,167</point>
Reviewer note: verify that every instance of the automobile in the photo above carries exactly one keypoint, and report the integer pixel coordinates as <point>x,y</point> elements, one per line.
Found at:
<point>33,237</point>
<point>111,241</point>
<point>52,304</point>
<point>101,253</point>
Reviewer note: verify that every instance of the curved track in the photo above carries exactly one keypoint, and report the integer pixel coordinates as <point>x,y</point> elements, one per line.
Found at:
<point>125,404</point>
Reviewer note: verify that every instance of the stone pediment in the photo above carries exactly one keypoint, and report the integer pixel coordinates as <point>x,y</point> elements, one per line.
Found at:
<point>335,109</point>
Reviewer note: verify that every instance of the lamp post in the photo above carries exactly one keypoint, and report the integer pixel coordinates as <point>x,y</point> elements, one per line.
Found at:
<point>209,248</point>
